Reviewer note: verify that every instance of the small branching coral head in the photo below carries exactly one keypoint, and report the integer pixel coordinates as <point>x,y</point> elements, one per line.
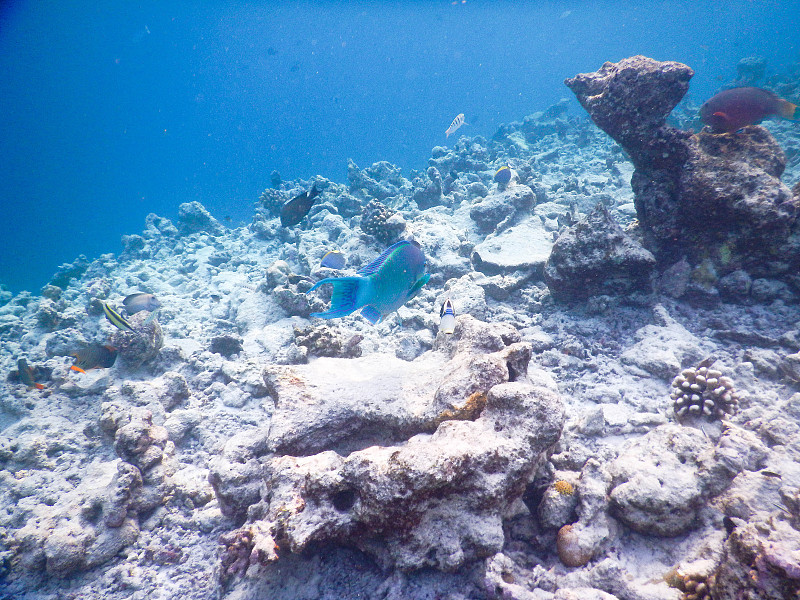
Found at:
<point>703,391</point>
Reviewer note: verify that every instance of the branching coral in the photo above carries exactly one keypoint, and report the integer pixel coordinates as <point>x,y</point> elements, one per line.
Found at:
<point>382,222</point>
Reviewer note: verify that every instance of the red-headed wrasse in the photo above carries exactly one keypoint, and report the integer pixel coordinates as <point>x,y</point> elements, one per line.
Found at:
<point>333,260</point>
<point>116,319</point>
<point>27,374</point>
<point>140,301</point>
<point>381,287</point>
<point>447,316</point>
<point>297,208</point>
<point>730,110</point>
<point>457,122</point>
<point>94,356</point>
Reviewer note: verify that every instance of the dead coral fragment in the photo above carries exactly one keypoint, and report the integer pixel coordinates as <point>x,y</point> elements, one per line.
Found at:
<point>703,391</point>
<point>324,340</point>
<point>572,550</point>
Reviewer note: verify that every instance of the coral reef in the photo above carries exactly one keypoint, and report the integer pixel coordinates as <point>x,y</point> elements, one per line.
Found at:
<point>661,481</point>
<point>326,340</point>
<point>760,560</point>
<point>140,345</point>
<point>194,218</point>
<point>262,453</point>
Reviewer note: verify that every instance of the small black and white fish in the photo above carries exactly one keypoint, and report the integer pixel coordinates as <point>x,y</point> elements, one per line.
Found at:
<point>447,314</point>
<point>297,208</point>
<point>140,301</point>
<point>333,260</point>
<point>457,122</point>
<point>116,319</point>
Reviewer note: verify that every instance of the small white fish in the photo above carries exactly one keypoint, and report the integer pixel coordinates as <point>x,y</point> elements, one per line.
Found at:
<point>448,317</point>
<point>457,122</point>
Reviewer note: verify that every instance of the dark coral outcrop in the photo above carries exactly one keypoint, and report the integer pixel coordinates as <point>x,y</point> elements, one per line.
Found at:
<point>596,257</point>
<point>704,196</point>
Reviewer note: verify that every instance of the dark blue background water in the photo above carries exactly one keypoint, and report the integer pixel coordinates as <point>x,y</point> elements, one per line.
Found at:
<point>109,113</point>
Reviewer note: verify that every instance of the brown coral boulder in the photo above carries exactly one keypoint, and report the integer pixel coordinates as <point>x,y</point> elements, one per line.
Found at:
<point>631,100</point>
<point>705,196</point>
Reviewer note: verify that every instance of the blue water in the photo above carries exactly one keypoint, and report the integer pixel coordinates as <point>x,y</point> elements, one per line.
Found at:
<point>108,113</point>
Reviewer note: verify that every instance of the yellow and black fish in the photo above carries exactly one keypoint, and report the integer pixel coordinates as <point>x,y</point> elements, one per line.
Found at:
<point>115,319</point>
<point>27,374</point>
<point>94,356</point>
<point>297,208</point>
<point>503,175</point>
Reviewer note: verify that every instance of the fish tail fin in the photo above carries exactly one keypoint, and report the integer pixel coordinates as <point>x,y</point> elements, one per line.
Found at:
<point>344,299</point>
<point>78,369</point>
<point>38,386</point>
<point>789,110</point>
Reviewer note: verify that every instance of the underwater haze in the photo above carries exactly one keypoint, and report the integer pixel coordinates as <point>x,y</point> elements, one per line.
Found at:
<point>113,111</point>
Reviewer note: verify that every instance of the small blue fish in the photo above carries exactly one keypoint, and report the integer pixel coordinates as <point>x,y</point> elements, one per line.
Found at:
<point>381,287</point>
<point>448,317</point>
<point>333,260</point>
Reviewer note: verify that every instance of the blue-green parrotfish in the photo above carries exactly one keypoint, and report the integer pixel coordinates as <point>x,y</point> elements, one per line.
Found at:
<point>381,287</point>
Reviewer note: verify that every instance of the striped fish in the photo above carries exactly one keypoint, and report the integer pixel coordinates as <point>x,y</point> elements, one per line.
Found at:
<point>115,319</point>
<point>457,122</point>
<point>448,317</point>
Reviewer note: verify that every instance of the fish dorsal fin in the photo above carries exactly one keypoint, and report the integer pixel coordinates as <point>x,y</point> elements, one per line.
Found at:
<point>376,264</point>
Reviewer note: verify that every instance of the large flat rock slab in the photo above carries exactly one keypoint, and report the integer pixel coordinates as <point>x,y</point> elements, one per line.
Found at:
<point>524,246</point>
